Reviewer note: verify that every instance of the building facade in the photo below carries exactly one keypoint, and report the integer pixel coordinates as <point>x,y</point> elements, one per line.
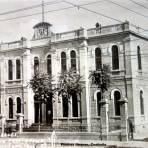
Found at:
<point>84,50</point>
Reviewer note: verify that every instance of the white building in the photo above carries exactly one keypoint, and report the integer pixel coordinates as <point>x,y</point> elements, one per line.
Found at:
<point>116,45</point>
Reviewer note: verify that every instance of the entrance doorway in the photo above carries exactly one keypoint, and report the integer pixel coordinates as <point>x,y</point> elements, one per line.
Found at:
<point>46,111</point>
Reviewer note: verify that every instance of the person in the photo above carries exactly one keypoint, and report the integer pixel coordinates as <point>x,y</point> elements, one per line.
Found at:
<point>49,117</point>
<point>53,138</point>
<point>131,129</point>
<point>98,28</point>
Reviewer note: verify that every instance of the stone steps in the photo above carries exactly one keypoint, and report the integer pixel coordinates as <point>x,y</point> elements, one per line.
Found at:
<point>35,128</point>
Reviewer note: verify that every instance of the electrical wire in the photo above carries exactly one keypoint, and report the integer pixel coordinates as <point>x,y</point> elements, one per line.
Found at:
<point>139,4</point>
<point>74,5</point>
<point>101,14</point>
<point>29,8</point>
<point>110,1</point>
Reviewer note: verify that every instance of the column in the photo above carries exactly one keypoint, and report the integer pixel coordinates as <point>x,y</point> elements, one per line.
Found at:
<point>104,129</point>
<point>27,94</point>
<point>3,121</point>
<point>87,87</point>
<point>20,122</point>
<point>124,119</point>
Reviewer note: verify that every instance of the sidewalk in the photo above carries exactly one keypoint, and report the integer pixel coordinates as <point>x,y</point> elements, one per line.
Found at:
<point>141,136</point>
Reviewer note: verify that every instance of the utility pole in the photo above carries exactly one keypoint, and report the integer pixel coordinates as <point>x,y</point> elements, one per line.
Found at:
<point>43,17</point>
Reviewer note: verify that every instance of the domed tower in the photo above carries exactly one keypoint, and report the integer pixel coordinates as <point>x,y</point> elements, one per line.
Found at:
<point>42,30</point>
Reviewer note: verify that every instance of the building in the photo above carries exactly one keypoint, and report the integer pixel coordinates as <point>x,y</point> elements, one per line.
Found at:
<point>118,45</point>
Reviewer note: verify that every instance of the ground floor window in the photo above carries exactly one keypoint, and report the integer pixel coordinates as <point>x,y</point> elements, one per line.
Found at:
<point>18,100</point>
<point>98,103</point>
<point>65,106</point>
<point>117,97</point>
<point>10,108</point>
<point>74,105</point>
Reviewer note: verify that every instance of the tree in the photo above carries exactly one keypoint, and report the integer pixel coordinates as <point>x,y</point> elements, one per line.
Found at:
<point>101,78</point>
<point>69,83</point>
<point>43,88</point>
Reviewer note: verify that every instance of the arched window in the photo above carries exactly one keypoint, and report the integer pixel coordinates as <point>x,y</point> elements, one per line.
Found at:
<point>74,105</point>
<point>115,57</point>
<point>63,62</point>
<point>36,64</point>
<point>18,100</point>
<point>65,106</point>
<point>117,97</point>
<point>73,59</point>
<point>98,103</point>
<point>141,103</point>
<point>18,69</point>
<point>10,108</point>
<point>49,68</point>
<point>139,58</point>
<point>98,58</point>
<point>10,70</point>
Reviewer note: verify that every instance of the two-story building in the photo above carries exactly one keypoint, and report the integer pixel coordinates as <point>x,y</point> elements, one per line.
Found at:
<point>117,45</point>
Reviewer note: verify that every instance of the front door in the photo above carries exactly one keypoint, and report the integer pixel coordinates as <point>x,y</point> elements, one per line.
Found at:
<point>49,112</point>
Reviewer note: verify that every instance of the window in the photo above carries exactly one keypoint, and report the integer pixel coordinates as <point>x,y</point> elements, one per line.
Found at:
<point>18,100</point>
<point>10,70</point>
<point>139,58</point>
<point>18,69</point>
<point>63,62</point>
<point>117,97</point>
<point>65,106</point>
<point>98,103</point>
<point>73,59</point>
<point>36,64</point>
<point>115,57</point>
<point>10,108</point>
<point>98,58</point>
<point>49,68</point>
<point>74,105</point>
<point>141,103</point>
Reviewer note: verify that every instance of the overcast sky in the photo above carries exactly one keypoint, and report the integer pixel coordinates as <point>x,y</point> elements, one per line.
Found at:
<point>68,19</point>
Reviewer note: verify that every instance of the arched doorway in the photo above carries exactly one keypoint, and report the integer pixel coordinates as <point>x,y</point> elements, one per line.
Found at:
<point>10,108</point>
<point>46,111</point>
<point>49,111</point>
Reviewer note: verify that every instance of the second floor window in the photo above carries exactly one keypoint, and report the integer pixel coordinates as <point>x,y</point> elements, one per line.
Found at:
<point>49,68</point>
<point>98,58</point>
<point>73,59</point>
<point>139,58</point>
<point>10,70</point>
<point>63,62</point>
<point>18,69</point>
<point>141,103</point>
<point>36,64</point>
<point>115,57</point>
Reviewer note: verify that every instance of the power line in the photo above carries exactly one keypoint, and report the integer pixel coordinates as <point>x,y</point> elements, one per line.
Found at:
<point>23,16</point>
<point>127,8</point>
<point>101,14</point>
<point>29,8</point>
<point>65,8</point>
<point>139,4</point>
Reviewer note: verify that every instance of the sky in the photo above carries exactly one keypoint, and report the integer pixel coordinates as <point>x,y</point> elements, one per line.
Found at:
<point>68,19</point>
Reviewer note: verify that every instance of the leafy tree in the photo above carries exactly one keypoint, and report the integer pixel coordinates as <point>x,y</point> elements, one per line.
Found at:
<point>69,83</point>
<point>43,88</point>
<point>101,78</point>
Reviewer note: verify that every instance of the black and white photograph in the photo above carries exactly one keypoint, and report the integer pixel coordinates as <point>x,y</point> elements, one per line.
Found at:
<point>73,73</point>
